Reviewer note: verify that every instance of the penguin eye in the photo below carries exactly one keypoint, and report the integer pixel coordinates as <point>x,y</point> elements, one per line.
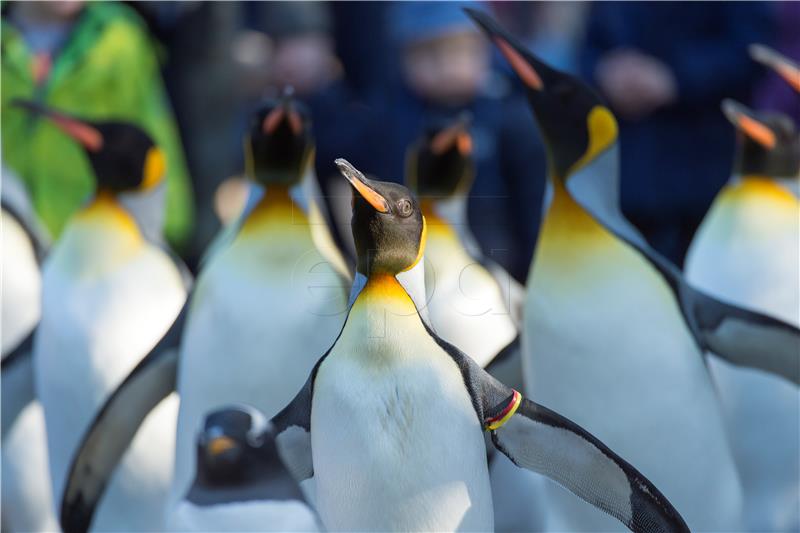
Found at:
<point>404,207</point>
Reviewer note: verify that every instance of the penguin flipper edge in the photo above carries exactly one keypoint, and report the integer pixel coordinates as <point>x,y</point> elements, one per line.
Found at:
<point>114,427</point>
<point>746,338</point>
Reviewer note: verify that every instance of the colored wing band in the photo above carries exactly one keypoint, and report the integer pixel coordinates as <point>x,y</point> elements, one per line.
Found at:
<point>506,414</point>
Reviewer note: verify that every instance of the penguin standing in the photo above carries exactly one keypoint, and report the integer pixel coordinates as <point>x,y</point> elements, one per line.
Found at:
<point>390,422</point>
<point>614,337</point>
<point>26,494</point>
<point>234,487</point>
<point>271,297</point>
<point>108,296</point>
<point>746,252</point>
<point>468,306</point>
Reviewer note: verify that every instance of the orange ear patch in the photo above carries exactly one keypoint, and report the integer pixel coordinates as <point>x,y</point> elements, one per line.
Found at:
<point>523,69</point>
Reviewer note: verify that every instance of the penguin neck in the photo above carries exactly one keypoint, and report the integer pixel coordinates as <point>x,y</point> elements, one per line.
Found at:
<point>440,224</point>
<point>784,191</point>
<point>276,210</point>
<point>566,218</point>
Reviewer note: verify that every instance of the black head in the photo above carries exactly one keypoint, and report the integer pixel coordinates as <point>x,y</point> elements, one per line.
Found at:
<point>783,66</point>
<point>574,121</point>
<point>769,144</point>
<point>279,144</point>
<point>439,164</point>
<point>123,157</point>
<point>228,446</point>
<point>388,226</point>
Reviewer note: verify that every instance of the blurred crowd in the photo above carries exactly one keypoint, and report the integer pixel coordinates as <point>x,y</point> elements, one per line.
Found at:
<point>373,75</point>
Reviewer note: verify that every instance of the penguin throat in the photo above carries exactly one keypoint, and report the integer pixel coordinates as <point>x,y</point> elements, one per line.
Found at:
<point>762,186</point>
<point>275,209</point>
<point>439,225</point>
<point>566,218</point>
<point>382,294</point>
<point>105,211</point>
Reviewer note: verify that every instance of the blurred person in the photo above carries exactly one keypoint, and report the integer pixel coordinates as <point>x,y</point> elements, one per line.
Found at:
<point>664,67</point>
<point>95,60</point>
<point>446,69</point>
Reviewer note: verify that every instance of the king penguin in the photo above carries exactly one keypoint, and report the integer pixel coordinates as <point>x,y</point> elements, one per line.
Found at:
<point>108,295</point>
<point>613,336</point>
<point>232,489</point>
<point>390,422</point>
<point>467,306</point>
<point>472,301</point>
<point>746,252</point>
<point>272,299</point>
<point>26,494</point>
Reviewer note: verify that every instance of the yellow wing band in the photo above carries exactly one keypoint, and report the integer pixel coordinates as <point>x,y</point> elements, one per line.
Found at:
<point>499,420</point>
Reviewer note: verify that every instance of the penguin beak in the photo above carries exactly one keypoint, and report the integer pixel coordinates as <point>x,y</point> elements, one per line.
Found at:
<point>219,445</point>
<point>741,117</point>
<point>88,136</point>
<point>283,112</point>
<point>519,59</point>
<point>457,134</point>
<point>785,68</point>
<point>361,184</point>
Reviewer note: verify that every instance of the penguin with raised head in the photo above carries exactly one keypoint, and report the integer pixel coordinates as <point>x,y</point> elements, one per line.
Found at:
<point>235,488</point>
<point>746,252</point>
<point>270,299</point>
<point>390,423</point>
<point>26,493</point>
<point>782,65</point>
<point>109,294</point>
<point>614,337</point>
<point>472,302</point>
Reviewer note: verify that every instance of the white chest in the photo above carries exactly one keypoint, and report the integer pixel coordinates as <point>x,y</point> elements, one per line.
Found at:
<point>21,282</point>
<point>396,441</point>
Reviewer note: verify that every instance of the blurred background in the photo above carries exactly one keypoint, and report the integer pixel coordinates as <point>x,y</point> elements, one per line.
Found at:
<point>373,75</point>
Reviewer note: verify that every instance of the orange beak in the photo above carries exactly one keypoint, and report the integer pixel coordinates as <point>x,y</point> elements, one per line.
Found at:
<point>785,68</point>
<point>87,135</point>
<point>359,183</point>
<point>278,115</point>
<point>751,127</point>
<point>456,134</point>
<point>524,70</point>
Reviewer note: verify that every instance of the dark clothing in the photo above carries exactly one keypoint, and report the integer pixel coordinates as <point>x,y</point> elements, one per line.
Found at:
<point>674,161</point>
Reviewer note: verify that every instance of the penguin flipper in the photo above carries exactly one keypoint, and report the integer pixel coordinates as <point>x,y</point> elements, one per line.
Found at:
<point>744,337</point>
<point>292,432</point>
<point>540,440</point>
<point>17,388</point>
<point>114,428</point>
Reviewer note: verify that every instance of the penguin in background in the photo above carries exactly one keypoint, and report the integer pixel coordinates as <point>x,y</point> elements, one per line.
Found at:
<point>783,66</point>
<point>233,489</point>
<point>746,252</point>
<point>472,302</point>
<point>389,426</point>
<point>272,294</point>
<point>614,337</point>
<point>108,295</point>
<point>26,493</point>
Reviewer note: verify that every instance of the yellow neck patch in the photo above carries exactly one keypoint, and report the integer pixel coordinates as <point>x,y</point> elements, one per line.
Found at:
<point>603,131</point>
<point>105,210</point>
<point>275,209</point>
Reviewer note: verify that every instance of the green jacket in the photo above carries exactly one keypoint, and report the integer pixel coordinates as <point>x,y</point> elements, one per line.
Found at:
<point>106,70</point>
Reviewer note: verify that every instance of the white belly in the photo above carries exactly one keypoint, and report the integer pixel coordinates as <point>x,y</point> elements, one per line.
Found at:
<point>93,332</point>
<point>606,346</point>
<point>279,516</point>
<point>256,328</point>
<point>747,253</point>
<point>21,282</point>
<point>26,493</point>
<point>396,443</point>
<point>465,305</point>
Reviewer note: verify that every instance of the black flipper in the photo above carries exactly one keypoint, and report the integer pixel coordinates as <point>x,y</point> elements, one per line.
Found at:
<point>292,432</point>
<point>115,426</point>
<point>16,377</point>
<point>542,441</point>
